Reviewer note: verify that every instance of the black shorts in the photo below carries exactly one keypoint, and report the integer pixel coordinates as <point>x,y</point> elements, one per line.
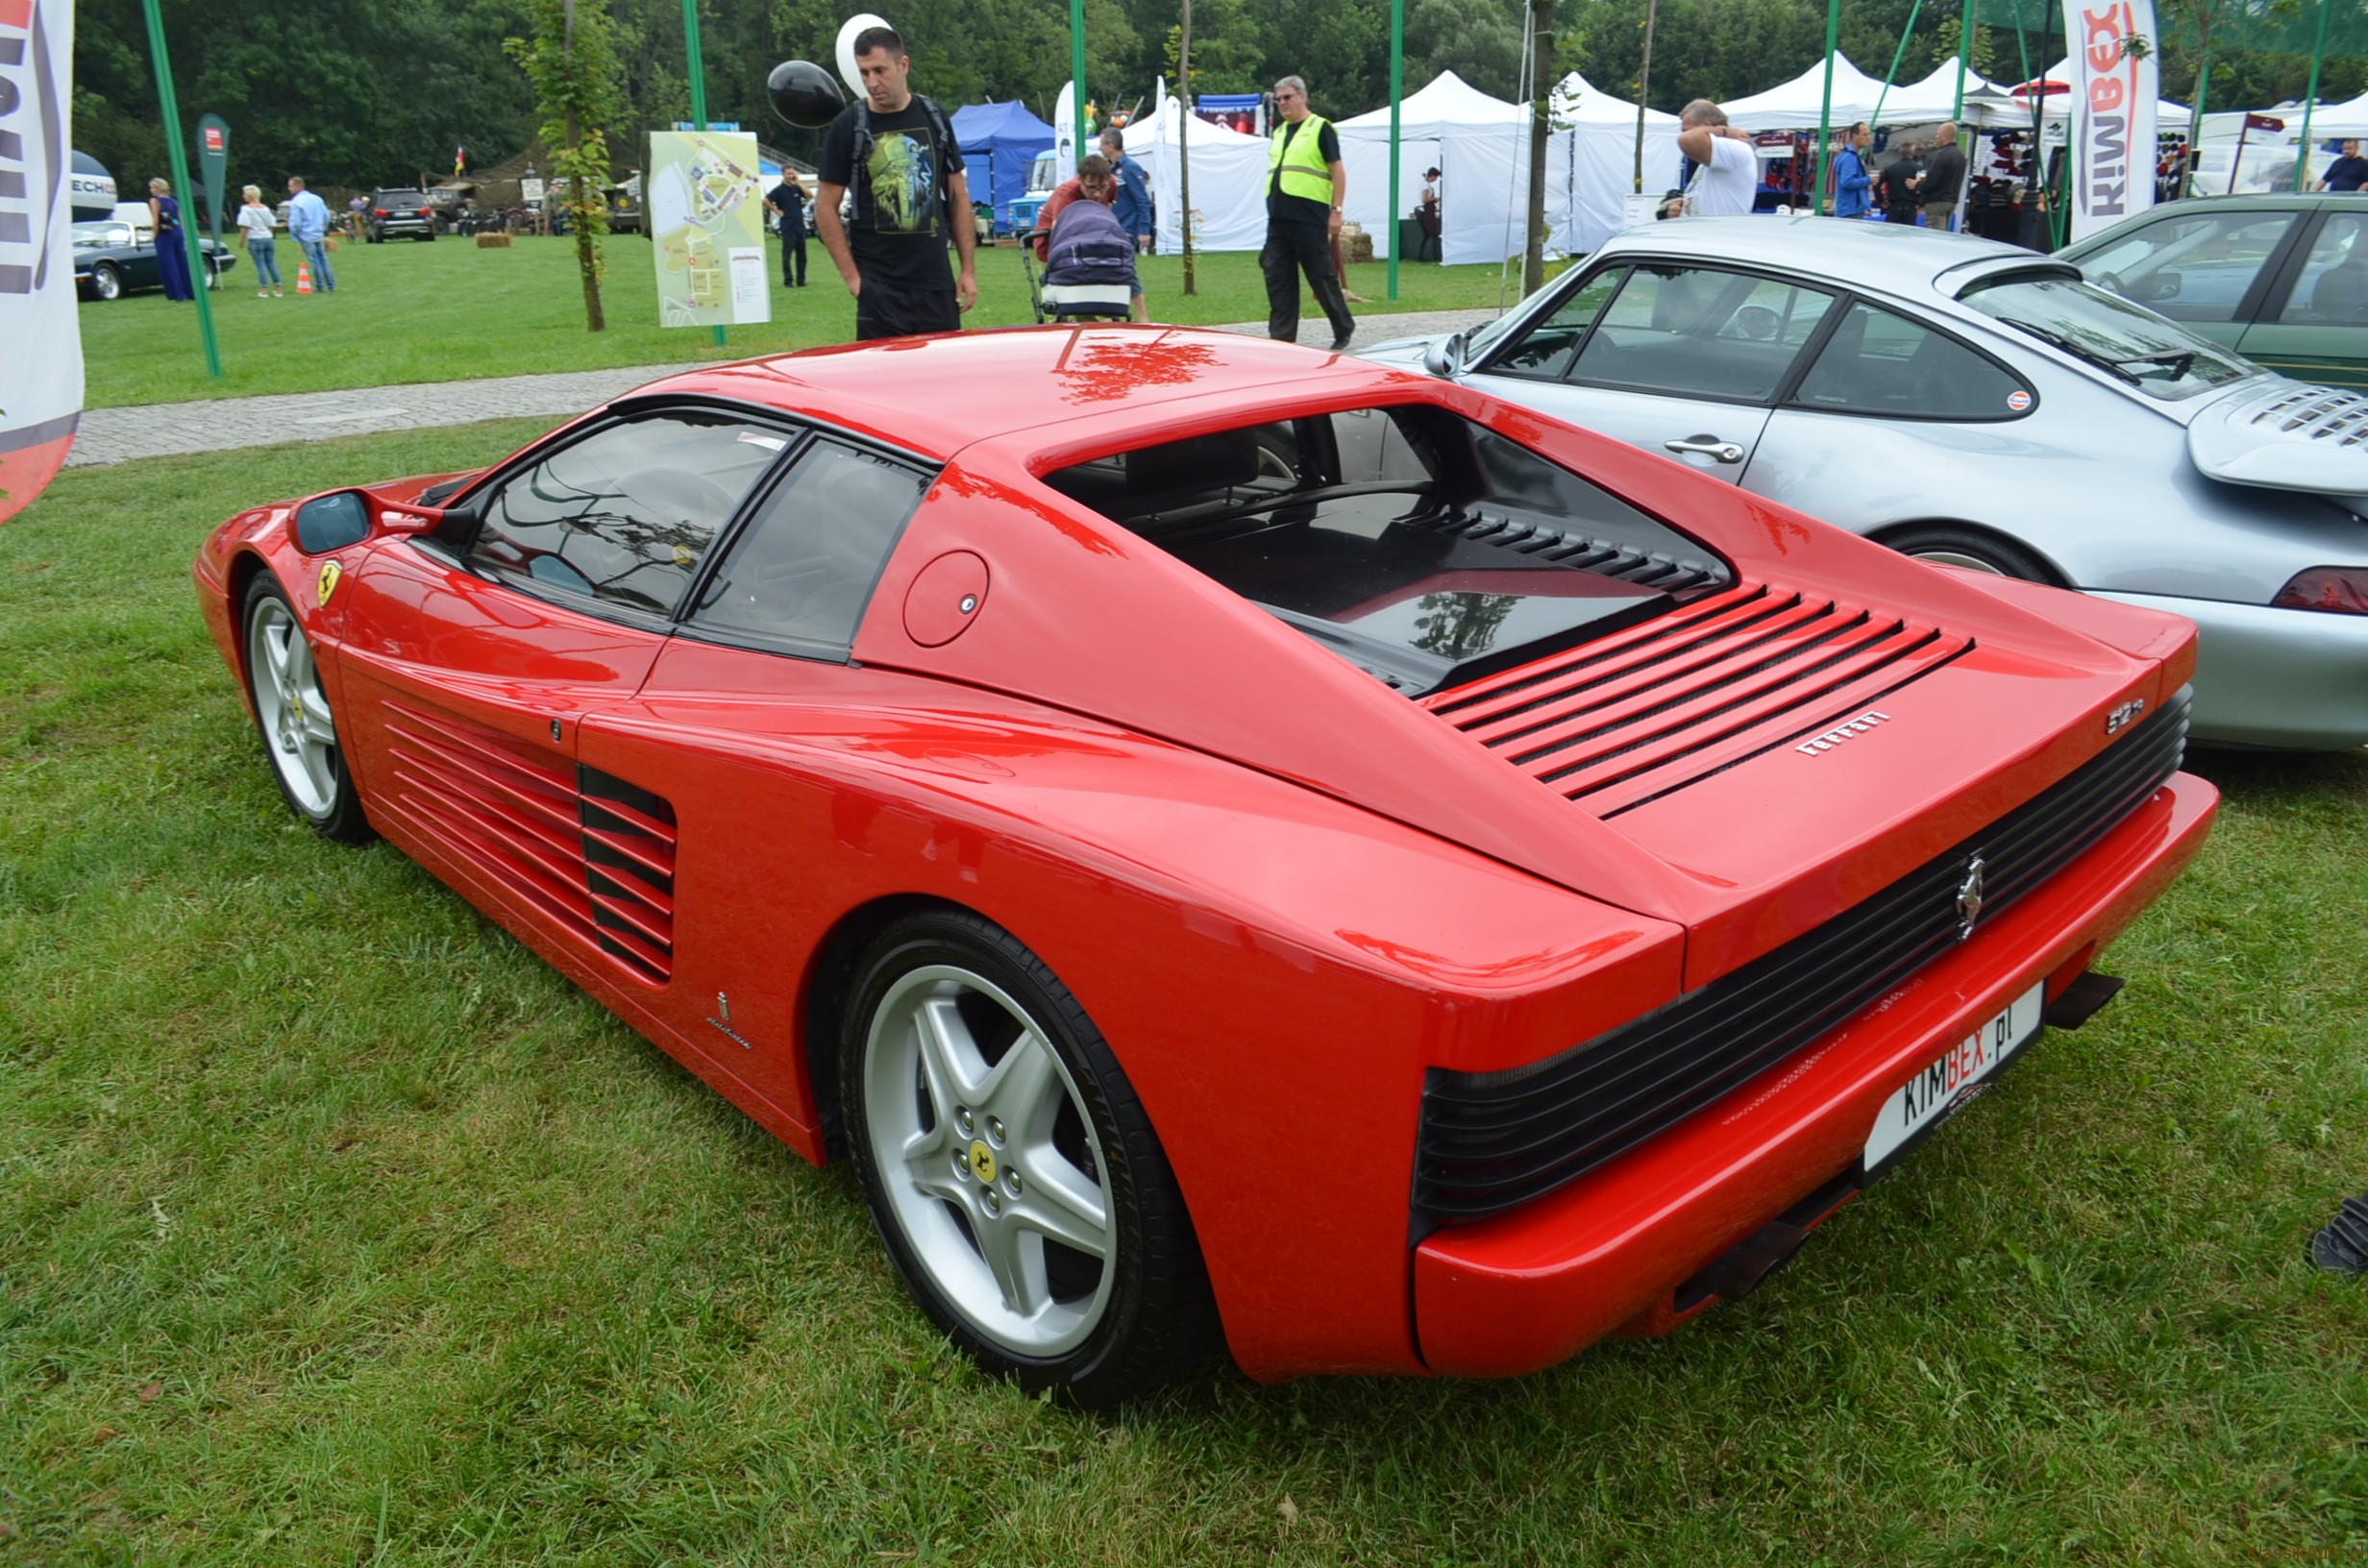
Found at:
<point>884,311</point>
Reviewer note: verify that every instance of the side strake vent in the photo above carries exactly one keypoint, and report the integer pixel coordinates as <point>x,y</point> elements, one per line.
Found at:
<point>1569,547</point>
<point>1632,716</point>
<point>593,853</point>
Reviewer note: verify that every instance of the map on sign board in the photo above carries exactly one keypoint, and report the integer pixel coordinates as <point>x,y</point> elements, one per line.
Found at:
<point>705,202</point>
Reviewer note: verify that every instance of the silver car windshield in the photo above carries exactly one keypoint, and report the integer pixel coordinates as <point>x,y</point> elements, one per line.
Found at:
<point>2128,342</point>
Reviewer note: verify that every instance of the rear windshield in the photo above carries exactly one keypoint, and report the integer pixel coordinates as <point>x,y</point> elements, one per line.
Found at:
<point>2126,341</point>
<point>401,198</point>
<point>1426,550</point>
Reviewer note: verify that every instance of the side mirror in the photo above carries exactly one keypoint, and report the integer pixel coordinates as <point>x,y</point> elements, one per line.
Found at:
<point>1444,358</point>
<point>347,517</point>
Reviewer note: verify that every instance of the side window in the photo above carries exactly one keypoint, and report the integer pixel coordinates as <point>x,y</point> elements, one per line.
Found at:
<point>2193,268</point>
<point>624,516</point>
<point>799,575</point>
<point>1547,350</point>
<point>1879,363</point>
<point>2332,290</point>
<point>1700,333</point>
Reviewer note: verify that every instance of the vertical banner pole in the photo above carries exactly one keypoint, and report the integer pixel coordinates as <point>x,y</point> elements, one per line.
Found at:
<point>699,88</point>
<point>1964,58</point>
<point>1077,71</point>
<point>2310,99</point>
<point>177,155</point>
<point>1397,90</point>
<point>1825,109</point>
<point>1892,75</point>
<point>2195,126</point>
<point>1184,143</point>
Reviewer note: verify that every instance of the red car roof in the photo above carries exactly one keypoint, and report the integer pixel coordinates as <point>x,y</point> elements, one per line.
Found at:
<point>933,396</point>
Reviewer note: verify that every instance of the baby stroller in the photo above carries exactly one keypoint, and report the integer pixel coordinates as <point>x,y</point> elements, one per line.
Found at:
<point>1089,268</point>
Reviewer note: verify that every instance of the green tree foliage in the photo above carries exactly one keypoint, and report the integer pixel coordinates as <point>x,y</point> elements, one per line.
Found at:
<point>573,64</point>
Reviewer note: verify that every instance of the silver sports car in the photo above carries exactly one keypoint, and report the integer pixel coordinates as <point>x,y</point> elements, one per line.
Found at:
<point>1981,406</point>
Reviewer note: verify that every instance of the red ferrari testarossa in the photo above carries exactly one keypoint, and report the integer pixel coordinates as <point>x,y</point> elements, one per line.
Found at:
<point>1232,840</point>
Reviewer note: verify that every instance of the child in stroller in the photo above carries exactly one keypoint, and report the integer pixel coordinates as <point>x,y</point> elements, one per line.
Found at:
<point>1089,257</point>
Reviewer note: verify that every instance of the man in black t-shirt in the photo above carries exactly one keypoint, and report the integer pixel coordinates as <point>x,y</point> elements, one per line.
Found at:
<point>2348,173</point>
<point>896,150</point>
<point>786,202</point>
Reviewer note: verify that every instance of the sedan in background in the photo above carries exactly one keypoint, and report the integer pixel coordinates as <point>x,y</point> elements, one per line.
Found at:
<point>1235,845</point>
<point>2281,279</point>
<point>1981,406</point>
<point>113,258</point>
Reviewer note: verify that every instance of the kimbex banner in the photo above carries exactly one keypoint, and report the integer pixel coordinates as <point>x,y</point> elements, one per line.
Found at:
<point>2115,88</point>
<point>42,369</point>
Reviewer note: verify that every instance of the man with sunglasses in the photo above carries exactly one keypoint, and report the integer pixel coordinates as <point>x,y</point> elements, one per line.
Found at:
<point>1306,186</point>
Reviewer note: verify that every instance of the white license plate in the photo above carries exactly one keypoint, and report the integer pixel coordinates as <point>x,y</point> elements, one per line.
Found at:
<point>1937,1092</point>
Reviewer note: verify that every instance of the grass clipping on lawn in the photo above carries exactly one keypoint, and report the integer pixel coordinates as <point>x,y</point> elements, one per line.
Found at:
<point>336,1228</point>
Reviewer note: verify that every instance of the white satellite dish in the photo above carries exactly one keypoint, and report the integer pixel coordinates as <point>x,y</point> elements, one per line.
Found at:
<point>847,49</point>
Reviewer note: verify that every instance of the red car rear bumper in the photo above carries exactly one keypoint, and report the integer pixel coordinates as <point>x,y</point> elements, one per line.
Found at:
<point>1607,1253</point>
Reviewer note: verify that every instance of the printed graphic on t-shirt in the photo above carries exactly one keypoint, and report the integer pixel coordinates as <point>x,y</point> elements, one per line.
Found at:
<point>904,176</point>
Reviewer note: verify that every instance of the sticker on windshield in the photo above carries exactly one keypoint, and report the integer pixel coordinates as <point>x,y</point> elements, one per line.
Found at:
<point>2018,400</point>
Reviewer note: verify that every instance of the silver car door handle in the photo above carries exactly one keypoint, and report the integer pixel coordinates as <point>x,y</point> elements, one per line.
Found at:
<point>1706,445</point>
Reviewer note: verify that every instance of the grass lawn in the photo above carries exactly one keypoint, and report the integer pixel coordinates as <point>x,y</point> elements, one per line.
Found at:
<point>409,311</point>
<point>336,1228</point>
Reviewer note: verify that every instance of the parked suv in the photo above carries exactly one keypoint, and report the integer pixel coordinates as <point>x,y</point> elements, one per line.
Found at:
<point>399,213</point>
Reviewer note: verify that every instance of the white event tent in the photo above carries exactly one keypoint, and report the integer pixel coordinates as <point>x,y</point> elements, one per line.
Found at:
<point>1447,107</point>
<point>1228,172</point>
<point>1794,105</point>
<point>1603,165</point>
<point>2168,115</point>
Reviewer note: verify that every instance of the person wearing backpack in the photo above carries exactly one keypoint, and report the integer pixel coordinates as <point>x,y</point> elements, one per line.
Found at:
<point>896,149</point>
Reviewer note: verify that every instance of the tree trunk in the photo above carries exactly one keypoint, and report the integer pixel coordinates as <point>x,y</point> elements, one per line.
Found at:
<point>1541,122</point>
<point>587,256</point>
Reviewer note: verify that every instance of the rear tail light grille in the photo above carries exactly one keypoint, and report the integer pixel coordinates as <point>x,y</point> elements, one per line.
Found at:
<point>591,852</point>
<point>1488,1141</point>
<point>1630,716</point>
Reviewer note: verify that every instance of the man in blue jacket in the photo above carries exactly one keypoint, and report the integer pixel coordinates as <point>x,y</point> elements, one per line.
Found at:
<point>1852,183</point>
<point>1133,205</point>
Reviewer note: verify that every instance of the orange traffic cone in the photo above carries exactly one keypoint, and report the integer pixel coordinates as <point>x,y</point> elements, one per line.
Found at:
<point>304,278</point>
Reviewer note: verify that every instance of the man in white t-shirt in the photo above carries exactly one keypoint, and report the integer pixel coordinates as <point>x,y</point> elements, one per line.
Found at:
<point>1727,173</point>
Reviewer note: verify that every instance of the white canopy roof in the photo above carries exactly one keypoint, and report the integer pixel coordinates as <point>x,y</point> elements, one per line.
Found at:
<point>1449,102</point>
<point>1577,101</point>
<point>1796,104</point>
<point>2349,118</point>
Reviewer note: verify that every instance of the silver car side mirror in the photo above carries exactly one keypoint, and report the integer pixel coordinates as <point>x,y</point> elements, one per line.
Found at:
<point>1444,358</point>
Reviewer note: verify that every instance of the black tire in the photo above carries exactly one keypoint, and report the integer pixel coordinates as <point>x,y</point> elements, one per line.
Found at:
<point>107,280</point>
<point>1156,1319</point>
<point>1954,544</point>
<point>311,776</point>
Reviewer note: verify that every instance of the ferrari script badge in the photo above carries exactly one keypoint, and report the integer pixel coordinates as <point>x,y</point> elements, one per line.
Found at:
<point>982,1162</point>
<point>331,572</point>
<point>1970,899</point>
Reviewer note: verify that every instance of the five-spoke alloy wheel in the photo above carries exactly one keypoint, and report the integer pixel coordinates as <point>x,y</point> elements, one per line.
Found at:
<point>300,735</point>
<point>1013,1174</point>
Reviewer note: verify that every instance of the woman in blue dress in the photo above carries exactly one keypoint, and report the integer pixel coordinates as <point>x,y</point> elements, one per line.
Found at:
<point>172,260</point>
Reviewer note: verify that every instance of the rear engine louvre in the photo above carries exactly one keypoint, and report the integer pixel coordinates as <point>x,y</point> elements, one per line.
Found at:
<point>1638,713</point>
<point>592,853</point>
<point>1488,1141</point>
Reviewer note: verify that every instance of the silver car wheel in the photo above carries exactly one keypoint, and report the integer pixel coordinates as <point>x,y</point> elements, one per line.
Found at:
<point>291,709</point>
<point>982,1169</point>
<point>1952,557</point>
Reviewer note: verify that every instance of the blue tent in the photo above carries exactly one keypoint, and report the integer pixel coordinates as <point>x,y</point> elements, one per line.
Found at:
<point>999,142</point>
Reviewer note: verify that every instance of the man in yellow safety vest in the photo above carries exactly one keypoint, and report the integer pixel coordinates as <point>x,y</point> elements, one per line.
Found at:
<point>1305,187</point>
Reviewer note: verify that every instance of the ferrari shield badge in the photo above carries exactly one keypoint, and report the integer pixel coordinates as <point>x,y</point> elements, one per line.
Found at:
<point>331,572</point>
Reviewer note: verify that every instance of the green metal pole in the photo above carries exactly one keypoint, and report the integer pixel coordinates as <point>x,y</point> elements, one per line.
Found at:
<point>2310,99</point>
<point>1964,58</point>
<point>699,85</point>
<point>1825,109</point>
<point>2195,123</point>
<point>1397,90</point>
<point>1077,71</point>
<point>177,156</point>
<point>1913,11</point>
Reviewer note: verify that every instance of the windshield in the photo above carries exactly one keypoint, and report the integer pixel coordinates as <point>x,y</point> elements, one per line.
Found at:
<point>2128,342</point>
<point>404,198</point>
<point>92,235</point>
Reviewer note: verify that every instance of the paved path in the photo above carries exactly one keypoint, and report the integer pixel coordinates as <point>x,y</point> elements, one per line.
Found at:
<point>114,435</point>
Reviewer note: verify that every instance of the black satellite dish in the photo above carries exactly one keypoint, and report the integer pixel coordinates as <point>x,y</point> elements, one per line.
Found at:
<point>804,94</point>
